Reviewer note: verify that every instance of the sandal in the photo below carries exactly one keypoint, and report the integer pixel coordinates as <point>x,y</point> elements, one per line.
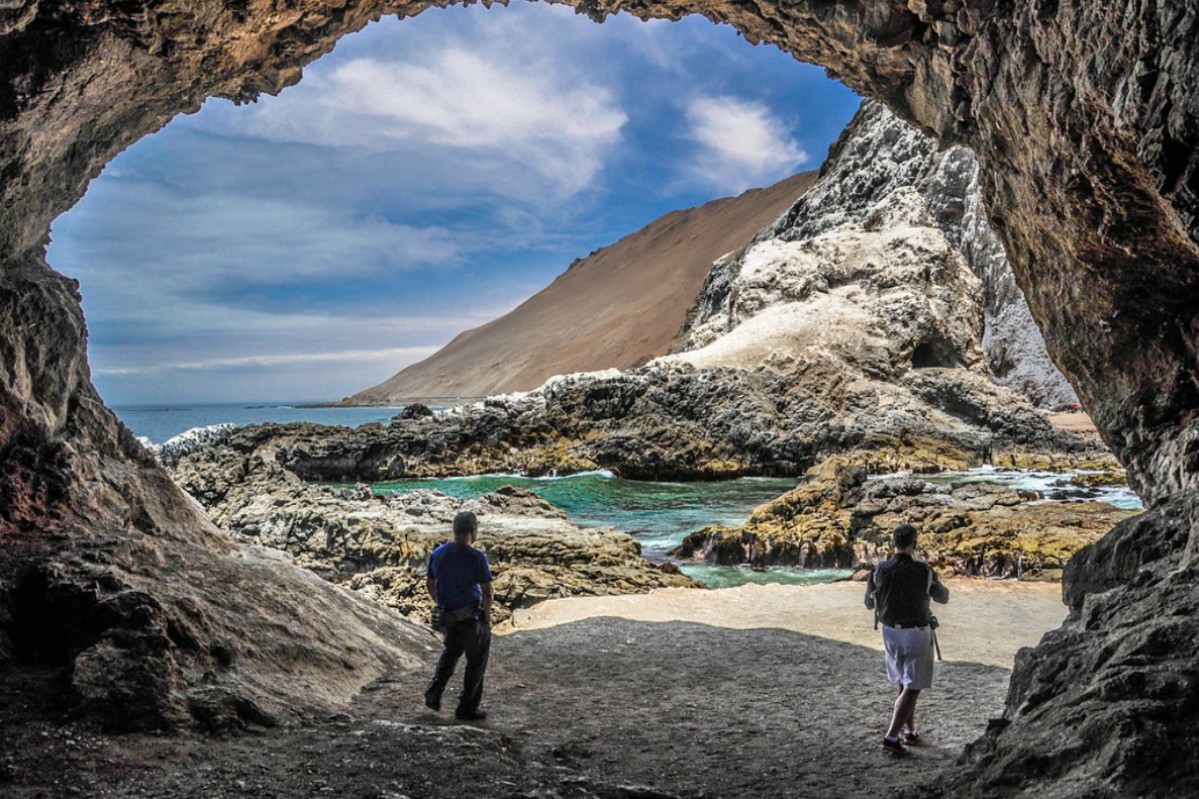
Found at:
<point>912,737</point>
<point>894,746</point>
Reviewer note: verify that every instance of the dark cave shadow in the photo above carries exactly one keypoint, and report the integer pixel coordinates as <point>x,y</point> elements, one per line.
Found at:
<point>697,709</point>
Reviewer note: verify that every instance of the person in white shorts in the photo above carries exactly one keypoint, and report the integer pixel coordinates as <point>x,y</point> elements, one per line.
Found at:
<point>899,590</point>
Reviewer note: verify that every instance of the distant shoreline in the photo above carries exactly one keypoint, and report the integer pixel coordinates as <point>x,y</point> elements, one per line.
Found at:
<point>395,403</point>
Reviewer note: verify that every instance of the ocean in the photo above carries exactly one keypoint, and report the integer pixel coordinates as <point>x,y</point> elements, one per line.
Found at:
<point>157,423</point>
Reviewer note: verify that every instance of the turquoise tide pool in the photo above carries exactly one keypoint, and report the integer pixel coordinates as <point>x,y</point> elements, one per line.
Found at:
<point>659,515</point>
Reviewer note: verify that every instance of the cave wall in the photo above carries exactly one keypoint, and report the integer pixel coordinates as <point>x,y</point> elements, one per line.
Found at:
<point>1084,117</point>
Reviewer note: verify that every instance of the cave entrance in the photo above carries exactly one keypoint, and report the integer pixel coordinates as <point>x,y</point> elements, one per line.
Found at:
<point>63,118</point>
<point>932,354</point>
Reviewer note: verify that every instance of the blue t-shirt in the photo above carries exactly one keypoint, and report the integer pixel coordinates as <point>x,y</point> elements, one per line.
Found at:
<point>459,570</point>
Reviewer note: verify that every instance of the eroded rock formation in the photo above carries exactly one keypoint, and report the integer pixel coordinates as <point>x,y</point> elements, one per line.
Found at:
<point>1084,117</point>
<point>879,165</point>
<point>839,517</point>
<point>676,422</point>
<point>379,544</point>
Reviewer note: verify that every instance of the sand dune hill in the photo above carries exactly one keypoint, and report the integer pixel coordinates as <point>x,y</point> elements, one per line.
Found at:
<point>616,308</point>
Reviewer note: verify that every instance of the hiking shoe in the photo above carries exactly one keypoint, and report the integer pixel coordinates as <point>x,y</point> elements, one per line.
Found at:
<point>911,737</point>
<point>474,715</point>
<point>894,746</point>
<point>432,700</point>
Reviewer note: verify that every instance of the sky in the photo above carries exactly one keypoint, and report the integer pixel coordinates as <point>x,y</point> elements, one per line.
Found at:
<point>425,177</point>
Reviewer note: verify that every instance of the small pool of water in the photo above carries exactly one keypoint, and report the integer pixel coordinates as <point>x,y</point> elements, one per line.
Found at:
<point>730,576</point>
<point>657,514</point>
<point>660,515</point>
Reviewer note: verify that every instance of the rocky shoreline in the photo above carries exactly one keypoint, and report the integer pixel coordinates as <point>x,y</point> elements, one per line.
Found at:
<point>378,545</point>
<point>839,517</point>
<point>671,422</point>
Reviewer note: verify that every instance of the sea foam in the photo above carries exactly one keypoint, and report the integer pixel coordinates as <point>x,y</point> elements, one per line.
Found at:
<point>171,450</point>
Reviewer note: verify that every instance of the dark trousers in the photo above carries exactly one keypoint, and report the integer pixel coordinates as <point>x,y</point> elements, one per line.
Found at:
<point>473,639</point>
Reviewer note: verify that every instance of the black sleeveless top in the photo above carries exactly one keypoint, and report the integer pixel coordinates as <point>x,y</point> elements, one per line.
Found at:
<point>900,588</point>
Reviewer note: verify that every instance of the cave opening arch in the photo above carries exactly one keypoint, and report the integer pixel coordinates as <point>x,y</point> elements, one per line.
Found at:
<point>1085,120</point>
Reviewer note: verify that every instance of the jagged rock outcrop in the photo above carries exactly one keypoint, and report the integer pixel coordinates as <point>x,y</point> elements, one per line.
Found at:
<point>837,518</point>
<point>669,422</point>
<point>1105,705</point>
<point>887,201</point>
<point>1084,118</point>
<point>379,545</point>
<point>882,297</point>
<point>615,309</point>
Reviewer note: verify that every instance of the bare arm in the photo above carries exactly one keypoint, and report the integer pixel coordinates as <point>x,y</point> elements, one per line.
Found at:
<point>488,600</point>
<point>431,587</point>
<point>937,591</point>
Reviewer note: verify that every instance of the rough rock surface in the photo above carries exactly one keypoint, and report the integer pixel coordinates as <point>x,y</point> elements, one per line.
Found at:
<point>887,202</point>
<point>1084,117</point>
<point>883,296</point>
<point>1105,706</point>
<point>142,631</point>
<point>670,422</point>
<point>839,518</point>
<point>378,545</point>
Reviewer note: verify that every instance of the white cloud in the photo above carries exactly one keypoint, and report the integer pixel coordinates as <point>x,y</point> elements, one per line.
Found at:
<point>741,143</point>
<point>484,108</point>
<point>200,239</point>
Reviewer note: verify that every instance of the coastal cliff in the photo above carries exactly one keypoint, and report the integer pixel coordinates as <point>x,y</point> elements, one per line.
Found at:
<point>878,166</point>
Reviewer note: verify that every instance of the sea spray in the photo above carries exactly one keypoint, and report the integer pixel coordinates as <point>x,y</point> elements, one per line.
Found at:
<point>171,450</point>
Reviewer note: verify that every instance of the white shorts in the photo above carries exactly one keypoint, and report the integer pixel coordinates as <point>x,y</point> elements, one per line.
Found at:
<point>909,657</point>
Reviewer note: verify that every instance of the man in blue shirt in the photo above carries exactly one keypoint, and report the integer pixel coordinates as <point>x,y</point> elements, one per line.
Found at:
<point>459,580</point>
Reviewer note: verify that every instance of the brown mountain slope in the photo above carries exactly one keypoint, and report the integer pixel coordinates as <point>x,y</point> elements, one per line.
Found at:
<point>616,308</point>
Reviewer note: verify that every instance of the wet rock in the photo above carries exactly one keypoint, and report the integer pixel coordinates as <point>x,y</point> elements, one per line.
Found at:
<point>416,410</point>
<point>973,529</point>
<point>378,544</point>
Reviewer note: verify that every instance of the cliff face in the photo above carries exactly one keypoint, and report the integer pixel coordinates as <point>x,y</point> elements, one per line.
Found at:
<point>1084,118</point>
<point>616,308</point>
<point>878,166</point>
<point>620,306</point>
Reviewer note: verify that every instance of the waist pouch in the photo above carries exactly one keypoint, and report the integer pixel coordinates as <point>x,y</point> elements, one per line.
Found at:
<point>462,614</point>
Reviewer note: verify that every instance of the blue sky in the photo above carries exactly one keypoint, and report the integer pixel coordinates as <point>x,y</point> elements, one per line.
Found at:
<point>425,177</point>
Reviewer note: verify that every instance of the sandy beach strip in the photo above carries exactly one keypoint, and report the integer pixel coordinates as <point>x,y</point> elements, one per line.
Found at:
<point>985,622</point>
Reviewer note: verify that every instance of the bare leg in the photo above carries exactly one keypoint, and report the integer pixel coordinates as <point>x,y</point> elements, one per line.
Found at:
<point>910,722</point>
<point>905,711</point>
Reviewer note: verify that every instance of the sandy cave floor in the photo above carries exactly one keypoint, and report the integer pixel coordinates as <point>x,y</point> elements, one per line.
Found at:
<point>749,692</point>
